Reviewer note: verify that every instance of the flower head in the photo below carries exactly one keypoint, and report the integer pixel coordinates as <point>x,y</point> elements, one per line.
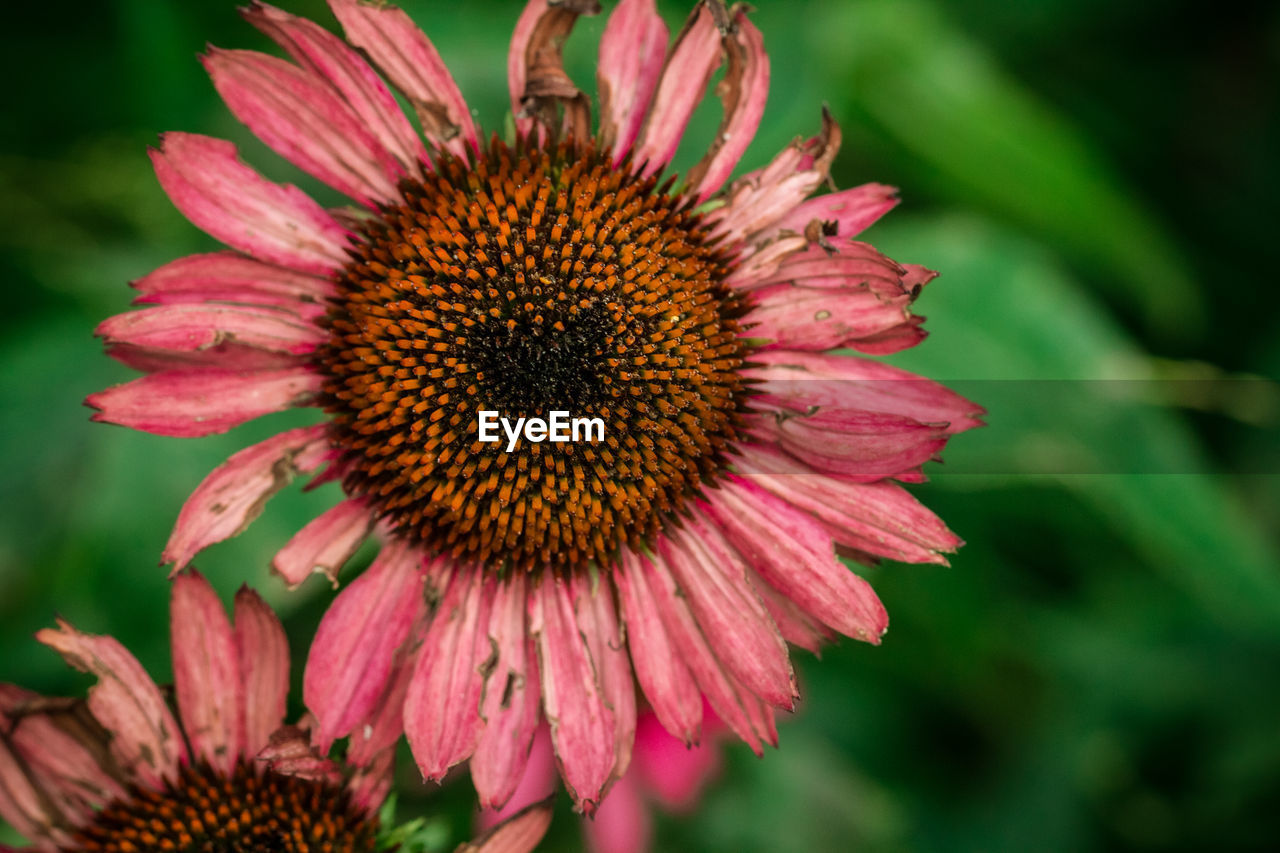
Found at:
<point>122,772</point>
<point>557,270</point>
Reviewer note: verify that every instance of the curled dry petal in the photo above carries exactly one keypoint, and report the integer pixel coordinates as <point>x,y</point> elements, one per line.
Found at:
<point>291,753</point>
<point>544,83</point>
<point>235,492</point>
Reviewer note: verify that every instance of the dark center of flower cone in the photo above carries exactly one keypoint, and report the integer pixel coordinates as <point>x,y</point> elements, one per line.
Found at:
<point>248,812</point>
<point>531,282</point>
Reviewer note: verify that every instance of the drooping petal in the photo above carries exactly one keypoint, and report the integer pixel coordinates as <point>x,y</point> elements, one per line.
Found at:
<point>193,403</point>
<point>206,673</point>
<point>511,700</point>
<point>326,543</point>
<point>796,626</point>
<point>234,493</point>
<point>232,278</point>
<point>442,707</point>
<point>842,215</point>
<point>881,519</point>
<point>695,56</point>
<point>412,63</point>
<point>371,782</point>
<point>713,580</point>
<point>24,805</point>
<point>659,666</point>
<point>518,834</point>
<point>380,733</point>
<point>171,337</point>
<point>631,56</point>
<point>582,725</point>
<point>302,118</point>
<point>807,318</point>
<point>743,91</point>
<point>146,741</point>
<point>276,223</point>
<point>760,199</point>
<point>793,553</point>
<point>622,823</point>
<point>803,380</point>
<point>263,652</point>
<point>330,58</point>
<point>593,603</point>
<point>670,771</point>
<point>350,662</point>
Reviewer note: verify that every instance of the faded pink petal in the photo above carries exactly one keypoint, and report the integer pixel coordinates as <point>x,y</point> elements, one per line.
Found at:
<point>671,772</point>
<point>146,740</point>
<point>275,223</point>
<point>744,90</point>
<point>304,120</point>
<point>22,805</point>
<point>291,753</point>
<point>409,59</point>
<point>694,58</point>
<point>518,62</point>
<point>326,543</point>
<point>187,336</point>
<point>192,403</point>
<point>350,661</point>
<point>206,673</point>
<point>793,553</point>
<point>379,735</point>
<point>806,318</point>
<point>330,58</point>
<point>519,834</point>
<point>632,50</point>
<point>263,652</point>
<point>234,493</point>
<point>599,625</point>
<point>655,655</point>
<point>371,782</point>
<point>795,626</point>
<point>843,214</point>
<point>510,701</point>
<point>622,823</point>
<point>851,265</point>
<point>763,260</point>
<point>539,780</point>
<point>235,279</point>
<point>583,728</point>
<point>805,379</point>
<point>442,707</point>
<point>714,582</point>
<point>882,519</point>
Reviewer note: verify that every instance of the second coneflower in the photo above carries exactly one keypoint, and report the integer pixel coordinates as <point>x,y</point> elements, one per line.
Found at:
<point>521,578</point>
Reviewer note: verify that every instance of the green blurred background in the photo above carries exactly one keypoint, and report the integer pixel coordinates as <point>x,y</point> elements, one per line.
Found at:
<point>1098,182</point>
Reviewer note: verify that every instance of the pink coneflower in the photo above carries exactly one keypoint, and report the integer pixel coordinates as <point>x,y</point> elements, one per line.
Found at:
<point>558,271</point>
<point>122,773</point>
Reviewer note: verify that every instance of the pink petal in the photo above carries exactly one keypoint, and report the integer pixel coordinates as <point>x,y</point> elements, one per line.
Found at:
<point>23,805</point>
<point>670,771</point>
<point>326,543</point>
<point>379,735</point>
<point>232,278</point>
<point>146,741</point>
<point>350,662</point>
<point>865,445</point>
<point>61,753</point>
<point>329,58</point>
<point>291,753</point>
<point>806,318</point>
<point>442,706</point>
<point>298,115</point>
<point>843,214</point>
<point>206,673</point>
<point>263,651</point>
<point>803,380</point>
<point>273,222</point>
<point>371,782</point>
<point>714,581</point>
<point>744,90</point>
<point>793,553</point>
<point>409,59</point>
<point>659,666</point>
<point>510,702</point>
<point>583,728</point>
<point>631,57</point>
<point>882,519</point>
<point>760,199</point>
<point>593,603</point>
<point>847,265</point>
<point>192,403</point>
<point>539,781</point>
<point>795,626</point>
<point>622,823</point>
<point>234,493</point>
<point>519,834</point>
<point>721,691</point>
<point>171,337</point>
<point>694,58</point>
<point>763,260</point>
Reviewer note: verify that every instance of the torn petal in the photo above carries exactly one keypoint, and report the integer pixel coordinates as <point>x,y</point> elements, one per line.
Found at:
<point>326,543</point>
